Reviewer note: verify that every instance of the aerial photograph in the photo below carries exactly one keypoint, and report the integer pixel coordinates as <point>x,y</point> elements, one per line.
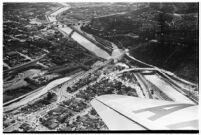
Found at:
<point>100,66</point>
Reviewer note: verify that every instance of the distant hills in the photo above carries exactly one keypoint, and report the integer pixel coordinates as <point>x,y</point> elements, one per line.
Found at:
<point>180,8</point>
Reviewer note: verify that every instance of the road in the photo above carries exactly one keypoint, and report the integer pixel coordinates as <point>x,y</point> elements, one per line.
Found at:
<point>25,64</point>
<point>161,70</point>
<point>67,81</point>
<point>80,39</point>
<point>168,89</point>
<point>62,94</point>
<point>6,65</point>
<point>83,38</point>
<point>25,56</point>
<point>37,93</point>
<point>174,90</point>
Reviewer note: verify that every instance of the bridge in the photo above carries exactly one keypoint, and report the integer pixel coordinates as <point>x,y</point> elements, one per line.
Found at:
<point>64,23</point>
<point>23,65</point>
<point>185,89</point>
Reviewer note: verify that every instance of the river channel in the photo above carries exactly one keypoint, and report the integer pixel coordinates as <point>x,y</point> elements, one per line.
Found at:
<point>77,37</point>
<point>164,86</point>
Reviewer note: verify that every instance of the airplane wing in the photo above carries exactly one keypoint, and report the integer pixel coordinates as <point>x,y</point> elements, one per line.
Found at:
<point>129,113</point>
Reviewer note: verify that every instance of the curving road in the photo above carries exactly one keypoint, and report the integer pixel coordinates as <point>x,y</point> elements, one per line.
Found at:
<point>83,41</point>
<point>36,94</point>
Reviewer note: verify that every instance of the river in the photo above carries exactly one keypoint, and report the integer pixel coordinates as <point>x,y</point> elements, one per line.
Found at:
<point>90,46</point>
<point>79,38</point>
<point>100,53</point>
<point>86,43</point>
<point>159,82</point>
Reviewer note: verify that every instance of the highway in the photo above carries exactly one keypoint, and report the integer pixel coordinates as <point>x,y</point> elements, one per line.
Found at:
<point>168,89</point>
<point>24,65</point>
<point>164,83</point>
<point>68,81</point>
<point>37,93</point>
<point>82,41</point>
<point>159,69</point>
<point>6,65</point>
<point>62,95</point>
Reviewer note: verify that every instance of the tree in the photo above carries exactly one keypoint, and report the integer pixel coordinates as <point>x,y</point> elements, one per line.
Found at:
<point>69,89</point>
<point>93,112</point>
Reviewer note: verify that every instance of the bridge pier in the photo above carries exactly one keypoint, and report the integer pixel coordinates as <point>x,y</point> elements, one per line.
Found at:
<point>71,34</point>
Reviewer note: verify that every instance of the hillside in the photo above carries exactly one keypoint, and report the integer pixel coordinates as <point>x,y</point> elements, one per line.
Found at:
<point>164,35</point>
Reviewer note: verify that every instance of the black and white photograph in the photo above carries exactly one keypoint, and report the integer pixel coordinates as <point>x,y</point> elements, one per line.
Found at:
<point>100,66</point>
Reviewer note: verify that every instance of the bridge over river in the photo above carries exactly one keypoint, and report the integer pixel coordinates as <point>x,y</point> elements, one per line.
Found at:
<point>91,46</point>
